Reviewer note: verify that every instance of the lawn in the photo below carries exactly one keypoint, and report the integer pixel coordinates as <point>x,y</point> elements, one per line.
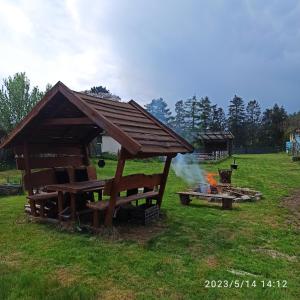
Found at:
<point>197,243</point>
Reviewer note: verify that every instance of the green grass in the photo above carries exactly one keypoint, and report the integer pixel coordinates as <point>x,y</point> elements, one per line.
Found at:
<point>199,242</point>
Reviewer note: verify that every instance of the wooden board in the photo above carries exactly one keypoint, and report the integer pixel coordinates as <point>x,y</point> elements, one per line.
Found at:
<point>50,162</point>
<point>134,181</point>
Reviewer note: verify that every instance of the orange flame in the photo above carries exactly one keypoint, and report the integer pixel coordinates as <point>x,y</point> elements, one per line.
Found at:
<point>210,178</point>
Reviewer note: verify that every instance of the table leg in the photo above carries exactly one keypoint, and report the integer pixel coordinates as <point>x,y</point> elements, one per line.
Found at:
<point>60,205</point>
<point>96,218</point>
<point>42,209</point>
<point>226,203</point>
<point>73,207</point>
<point>100,195</point>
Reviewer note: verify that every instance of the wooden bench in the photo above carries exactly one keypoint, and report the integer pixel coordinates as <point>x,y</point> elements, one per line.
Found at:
<point>38,180</point>
<point>226,199</point>
<point>131,184</point>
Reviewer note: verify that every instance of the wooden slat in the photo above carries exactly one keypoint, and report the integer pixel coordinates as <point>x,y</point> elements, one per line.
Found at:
<point>159,143</point>
<point>136,129</point>
<point>101,100</point>
<point>152,137</point>
<point>162,150</point>
<point>107,108</point>
<point>50,162</point>
<point>102,205</point>
<point>116,115</point>
<point>39,178</point>
<point>74,149</point>
<point>100,105</point>
<point>134,181</point>
<point>43,196</point>
<point>133,123</point>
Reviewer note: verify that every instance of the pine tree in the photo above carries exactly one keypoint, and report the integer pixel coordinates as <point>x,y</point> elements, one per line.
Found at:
<point>236,119</point>
<point>205,113</point>
<point>159,109</point>
<point>253,119</point>
<point>192,115</point>
<point>272,133</point>
<point>179,119</point>
<point>218,119</point>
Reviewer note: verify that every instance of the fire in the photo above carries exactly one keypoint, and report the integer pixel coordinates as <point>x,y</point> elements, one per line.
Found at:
<point>210,178</point>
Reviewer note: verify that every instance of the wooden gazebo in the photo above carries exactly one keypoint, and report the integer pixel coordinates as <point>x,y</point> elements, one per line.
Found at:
<point>213,142</point>
<point>58,130</point>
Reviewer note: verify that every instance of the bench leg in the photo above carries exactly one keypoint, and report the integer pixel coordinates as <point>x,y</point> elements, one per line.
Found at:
<point>185,199</point>
<point>60,205</point>
<point>42,209</point>
<point>73,207</point>
<point>32,207</point>
<point>96,218</point>
<point>227,204</point>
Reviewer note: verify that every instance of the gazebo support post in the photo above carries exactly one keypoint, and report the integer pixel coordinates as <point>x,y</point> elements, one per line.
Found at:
<point>28,174</point>
<point>164,179</point>
<point>114,190</point>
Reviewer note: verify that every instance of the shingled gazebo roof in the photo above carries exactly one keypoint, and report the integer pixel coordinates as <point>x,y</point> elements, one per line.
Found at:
<point>65,116</point>
<point>215,136</point>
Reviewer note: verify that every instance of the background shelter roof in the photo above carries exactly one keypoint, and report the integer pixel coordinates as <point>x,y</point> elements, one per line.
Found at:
<point>64,116</point>
<point>215,136</point>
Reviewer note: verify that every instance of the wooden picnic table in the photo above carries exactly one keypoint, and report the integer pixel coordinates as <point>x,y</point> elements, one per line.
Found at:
<point>74,189</point>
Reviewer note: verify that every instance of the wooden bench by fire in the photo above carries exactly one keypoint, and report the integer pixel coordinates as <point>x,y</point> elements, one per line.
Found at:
<point>226,199</point>
<point>132,184</point>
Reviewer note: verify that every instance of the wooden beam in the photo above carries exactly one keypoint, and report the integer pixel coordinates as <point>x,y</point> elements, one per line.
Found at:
<point>67,121</point>
<point>28,175</point>
<point>164,179</point>
<point>114,191</point>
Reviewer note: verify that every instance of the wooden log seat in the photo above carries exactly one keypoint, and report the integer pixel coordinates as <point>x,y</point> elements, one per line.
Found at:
<point>149,184</point>
<point>226,199</point>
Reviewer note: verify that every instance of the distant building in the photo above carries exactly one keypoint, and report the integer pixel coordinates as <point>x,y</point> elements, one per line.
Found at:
<point>104,143</point>
<point>110,145</point>
<point>216,144</point>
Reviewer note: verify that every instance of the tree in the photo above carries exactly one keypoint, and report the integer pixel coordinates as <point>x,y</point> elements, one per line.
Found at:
<point>205,113</point>
<point>236,119</point>
<point>16,100</point>
<point>218,119</point>
<point>272,133</point>
<point>179,119</point>
<point>102,92</point>
<point>99,89</point>
<point>191,115</point>
<point>159,109</point>
<point>253,122</point>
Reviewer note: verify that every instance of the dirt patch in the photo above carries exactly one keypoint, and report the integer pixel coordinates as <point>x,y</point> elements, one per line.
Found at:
<point>116,293</point>
<point>211,261</point>
<point>131,232</point>
<point>141,234</point>
<point>67,276</point>
<point>292,203</point>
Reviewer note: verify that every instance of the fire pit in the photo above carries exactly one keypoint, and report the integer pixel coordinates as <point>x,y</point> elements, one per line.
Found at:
<point>220,193</point>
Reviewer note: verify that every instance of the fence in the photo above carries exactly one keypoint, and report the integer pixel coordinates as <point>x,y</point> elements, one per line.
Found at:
<point>213,156</point>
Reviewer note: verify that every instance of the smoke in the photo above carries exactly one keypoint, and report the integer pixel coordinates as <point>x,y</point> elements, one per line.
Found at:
<point>187,168</point>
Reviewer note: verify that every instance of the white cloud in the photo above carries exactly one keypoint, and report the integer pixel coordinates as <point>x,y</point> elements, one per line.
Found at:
<point>50,42</point>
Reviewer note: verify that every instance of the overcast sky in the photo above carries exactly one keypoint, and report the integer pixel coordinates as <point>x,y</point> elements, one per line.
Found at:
<point>159,48</point>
